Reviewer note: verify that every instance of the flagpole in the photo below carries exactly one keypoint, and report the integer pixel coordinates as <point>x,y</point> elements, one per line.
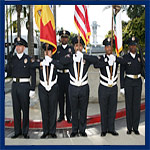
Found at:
<point>112,39</point>
<point>78,49</point>
<point>47,66</point>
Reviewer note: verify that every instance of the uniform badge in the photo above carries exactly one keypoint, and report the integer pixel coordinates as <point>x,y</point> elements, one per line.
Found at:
<point>139,59</point>
<point>69,50</point>
<point>129,63</point>
<point>25,60</point>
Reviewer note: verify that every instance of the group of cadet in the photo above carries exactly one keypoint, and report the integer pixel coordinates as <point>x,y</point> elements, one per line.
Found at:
<point>64,75</point>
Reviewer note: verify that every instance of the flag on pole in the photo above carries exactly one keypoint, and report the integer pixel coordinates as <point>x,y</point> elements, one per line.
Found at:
<point>44,19</point>
<point>81,21</point>
<point>118,31</point>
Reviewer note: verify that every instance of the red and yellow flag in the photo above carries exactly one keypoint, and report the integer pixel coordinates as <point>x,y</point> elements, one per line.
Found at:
<point>44,19</point>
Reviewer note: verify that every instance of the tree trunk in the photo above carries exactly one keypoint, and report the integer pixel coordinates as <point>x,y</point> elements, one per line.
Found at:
<point>7,30</point>
<point>11,25</point>
<point>18,9</point>
<point>54,10</point>
<point>30,33</point>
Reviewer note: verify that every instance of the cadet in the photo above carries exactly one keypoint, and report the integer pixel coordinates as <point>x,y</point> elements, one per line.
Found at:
<point>63,76</point>
<point>78,88</point>
<point>20,69</point>
<point>108,89</point>
<point>132,85</point>
<point>48,91</point>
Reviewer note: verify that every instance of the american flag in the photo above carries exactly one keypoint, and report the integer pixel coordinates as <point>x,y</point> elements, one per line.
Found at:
<point>81,21</point>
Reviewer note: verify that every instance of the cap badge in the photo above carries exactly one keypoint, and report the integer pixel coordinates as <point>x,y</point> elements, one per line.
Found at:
<point>133,38</point>
<point>18,39</point>
<point>64,32</point>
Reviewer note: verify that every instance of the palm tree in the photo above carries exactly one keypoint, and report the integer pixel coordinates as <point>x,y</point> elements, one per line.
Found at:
<point>30,32</point>
<point>18,9</point>
<point>7,30</point>
<point>54,10</point>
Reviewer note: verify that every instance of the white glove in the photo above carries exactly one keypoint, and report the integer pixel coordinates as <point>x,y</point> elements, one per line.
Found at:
<point>32,94</point>
<point>76,59</point>
<point>45,63</point>
<point>122,91</point>
<point>48,59</point>
<point>5,74</point>
<point>110,62</point>
<point>112,57</point>
<point>79,54</point>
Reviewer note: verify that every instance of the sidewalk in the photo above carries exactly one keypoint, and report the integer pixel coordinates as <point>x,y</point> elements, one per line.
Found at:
<point>122,139</point>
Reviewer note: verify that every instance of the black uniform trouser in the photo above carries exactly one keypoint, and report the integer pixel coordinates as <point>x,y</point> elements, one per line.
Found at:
<point>133,88</point>
<point>48,103</point>
<point>63,82</point>
<point>21,100</point>
<point>79,97</point>
<point>108,107</point>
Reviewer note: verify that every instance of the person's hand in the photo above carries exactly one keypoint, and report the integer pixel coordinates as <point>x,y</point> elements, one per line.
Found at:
<point>112,59</point>
<point>44,63</point>
<point>5,74</point>
<point>32,94</point>
<point>79,54</point>
<point>122,91</point>
<point>48,59</point>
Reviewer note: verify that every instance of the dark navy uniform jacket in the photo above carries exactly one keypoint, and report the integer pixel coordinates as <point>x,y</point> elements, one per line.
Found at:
<point>61,52</point>
<point>133,66</point>
<point>22,68</point>
<point>67,61</point>
<point>104,58</point>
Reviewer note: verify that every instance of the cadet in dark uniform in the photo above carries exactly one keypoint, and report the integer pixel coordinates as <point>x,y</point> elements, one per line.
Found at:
<point>63,76</point>
<point>20,69</point>
<point>108,89</point>
<point>48,91</point>
<point>78,88</point>
<point>132,84</point>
